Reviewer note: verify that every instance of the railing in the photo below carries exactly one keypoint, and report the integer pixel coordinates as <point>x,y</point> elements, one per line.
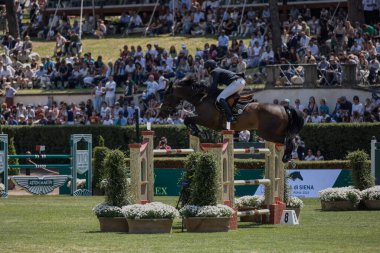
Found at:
<point>223,3</point>
<point>310,76</point>
<point>98,3</point>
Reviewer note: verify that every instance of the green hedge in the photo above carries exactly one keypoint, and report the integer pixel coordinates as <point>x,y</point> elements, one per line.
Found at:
<point>337,140</point>
<point>334,140</point>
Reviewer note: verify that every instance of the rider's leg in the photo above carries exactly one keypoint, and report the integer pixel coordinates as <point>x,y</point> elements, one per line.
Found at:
<point>231,89</point>
<point>227,109</point>
<point>236,86</point>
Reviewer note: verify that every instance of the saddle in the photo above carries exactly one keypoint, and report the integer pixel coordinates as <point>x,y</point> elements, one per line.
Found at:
<point>237,103</point>
<point>240,99</point>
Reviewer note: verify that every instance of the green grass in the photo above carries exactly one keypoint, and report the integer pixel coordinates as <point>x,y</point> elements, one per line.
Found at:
<point>109,48</point>
<point>66,224</point>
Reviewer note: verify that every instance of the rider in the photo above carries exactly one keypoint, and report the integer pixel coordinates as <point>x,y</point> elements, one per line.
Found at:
<point>234,82</point>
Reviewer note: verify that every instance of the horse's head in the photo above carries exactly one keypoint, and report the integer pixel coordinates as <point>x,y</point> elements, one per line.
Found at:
<point>170,102</point>
<point>183,89</point>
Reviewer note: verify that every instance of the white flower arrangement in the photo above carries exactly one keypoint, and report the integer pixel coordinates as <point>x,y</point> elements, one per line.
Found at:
<point>372,193</point>
<point>2,187</point>
<point>249,201</point>
<point>154,210</point>
<point>206,211</point>
<point>341,194</point>
<point>294,202</point>
<point>104,210</point>
<point>81,183</point>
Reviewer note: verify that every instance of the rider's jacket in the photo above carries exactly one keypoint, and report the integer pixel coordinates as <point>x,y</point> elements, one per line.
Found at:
<point>222,76</point>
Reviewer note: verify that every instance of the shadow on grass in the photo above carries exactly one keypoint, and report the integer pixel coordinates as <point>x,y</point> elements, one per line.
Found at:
<point>100,232</point>
<point>253,225</point>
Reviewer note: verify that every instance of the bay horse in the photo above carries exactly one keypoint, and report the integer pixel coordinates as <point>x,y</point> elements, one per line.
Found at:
<point>274,123</point>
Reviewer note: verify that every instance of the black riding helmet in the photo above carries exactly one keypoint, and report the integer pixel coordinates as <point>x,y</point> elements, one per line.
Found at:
<point>210,64</point>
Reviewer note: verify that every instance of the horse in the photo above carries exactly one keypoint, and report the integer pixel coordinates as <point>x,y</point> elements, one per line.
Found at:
<point>274,123</point>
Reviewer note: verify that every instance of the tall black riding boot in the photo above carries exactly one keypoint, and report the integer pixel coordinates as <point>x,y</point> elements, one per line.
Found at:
<point>227,109</point>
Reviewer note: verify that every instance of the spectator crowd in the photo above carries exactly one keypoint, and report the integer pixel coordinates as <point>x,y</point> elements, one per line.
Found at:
<point>326,39</point>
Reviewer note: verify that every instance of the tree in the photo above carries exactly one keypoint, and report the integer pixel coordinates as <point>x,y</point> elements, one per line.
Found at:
<point>275,23</point>
<point>12,18</point>
<point>355,11</point>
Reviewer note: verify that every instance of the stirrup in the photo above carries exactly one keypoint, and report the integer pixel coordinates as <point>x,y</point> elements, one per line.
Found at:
<point>231,119</point>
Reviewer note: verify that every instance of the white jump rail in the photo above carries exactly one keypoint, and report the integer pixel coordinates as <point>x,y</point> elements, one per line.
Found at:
<point>253,212</point>
<point>252,182</point>
<point>182,151</point>
<point>252,150</point>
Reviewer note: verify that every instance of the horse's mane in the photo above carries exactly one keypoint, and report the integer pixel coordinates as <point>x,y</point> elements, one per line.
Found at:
<point>201,86</point>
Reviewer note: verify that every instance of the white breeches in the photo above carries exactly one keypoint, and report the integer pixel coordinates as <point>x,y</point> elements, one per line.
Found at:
<point>236,86</point>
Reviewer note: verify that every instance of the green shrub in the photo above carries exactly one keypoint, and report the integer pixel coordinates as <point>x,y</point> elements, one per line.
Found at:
<point>99,171</point>
<point>187,178</point>
<point>205,184</point>
<point>100,141</point>
<point>361,169</point>
<point>116,189</point>
<point>12,151</point>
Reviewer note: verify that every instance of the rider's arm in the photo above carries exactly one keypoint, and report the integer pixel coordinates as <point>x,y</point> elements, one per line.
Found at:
<point>214,83</point>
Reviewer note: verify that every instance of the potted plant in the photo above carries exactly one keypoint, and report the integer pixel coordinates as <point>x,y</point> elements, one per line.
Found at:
<point>340,199</point>
<point>249,203</point>
<point>150,218</point>
<point>294,203</point>
<point>111,218</point>
<point>207,218</point>
<point>116,191</point>
<point>371,198</point>
<point>202,212</point>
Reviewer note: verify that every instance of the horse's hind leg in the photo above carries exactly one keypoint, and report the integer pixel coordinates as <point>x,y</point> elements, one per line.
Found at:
<point>289,146</point>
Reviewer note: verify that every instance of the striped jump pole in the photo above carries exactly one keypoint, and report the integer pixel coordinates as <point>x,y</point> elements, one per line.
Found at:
<point>164,152</point>
<point>38,156</point>
<point>253,212</point>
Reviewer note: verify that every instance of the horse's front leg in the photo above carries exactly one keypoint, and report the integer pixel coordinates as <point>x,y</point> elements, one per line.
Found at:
<point>190,123</point>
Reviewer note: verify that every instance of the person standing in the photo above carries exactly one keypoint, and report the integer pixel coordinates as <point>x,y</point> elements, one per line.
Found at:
<point>98,95</point>
<point>10,93</point>
<point>110,91</point>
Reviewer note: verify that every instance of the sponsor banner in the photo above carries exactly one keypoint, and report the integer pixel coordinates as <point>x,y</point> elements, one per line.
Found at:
<point>305,183</point>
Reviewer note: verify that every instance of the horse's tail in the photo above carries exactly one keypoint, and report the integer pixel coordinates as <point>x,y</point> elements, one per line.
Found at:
<point>295,124</point>
<point>296,121</point>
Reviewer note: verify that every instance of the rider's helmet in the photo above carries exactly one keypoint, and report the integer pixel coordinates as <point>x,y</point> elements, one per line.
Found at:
<point>210,65</point>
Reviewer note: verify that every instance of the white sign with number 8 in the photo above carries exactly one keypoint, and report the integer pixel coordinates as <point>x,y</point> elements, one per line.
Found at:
<point>289,217</point>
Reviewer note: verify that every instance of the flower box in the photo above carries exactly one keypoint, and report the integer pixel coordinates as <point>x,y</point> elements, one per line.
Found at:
<point>113,224</point>
<point>207,224</point>
<point>340,199</point>
<point>372,204</point>
<point>342,205</point>
<point>371,198</point>
<point>150,218</point>
<point>150,226</point>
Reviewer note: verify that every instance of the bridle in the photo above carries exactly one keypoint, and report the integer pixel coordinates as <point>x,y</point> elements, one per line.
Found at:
<point>195,91</point>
